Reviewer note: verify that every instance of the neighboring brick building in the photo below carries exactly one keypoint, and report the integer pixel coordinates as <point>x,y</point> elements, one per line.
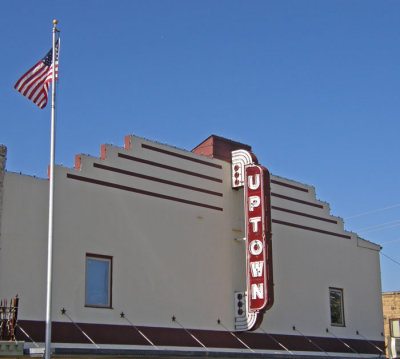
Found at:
<point>391,315</point>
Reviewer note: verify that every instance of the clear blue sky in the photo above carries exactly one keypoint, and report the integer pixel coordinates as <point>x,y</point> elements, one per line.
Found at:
<point>312,86</point>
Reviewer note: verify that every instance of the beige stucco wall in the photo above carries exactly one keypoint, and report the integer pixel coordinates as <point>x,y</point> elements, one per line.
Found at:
<point>24,243</point>
<point>305,266</point>
<point>171,258</point>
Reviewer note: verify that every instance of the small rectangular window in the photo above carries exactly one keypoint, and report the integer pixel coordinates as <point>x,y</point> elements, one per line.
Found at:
<point>394,328</point>
<point>98,281</point>
<point>336,305</point>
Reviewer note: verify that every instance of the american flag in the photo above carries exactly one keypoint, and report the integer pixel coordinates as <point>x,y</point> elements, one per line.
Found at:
<point>35,83</point>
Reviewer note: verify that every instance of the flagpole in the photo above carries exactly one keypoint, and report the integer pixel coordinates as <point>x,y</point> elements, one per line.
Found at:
<point>51,200</point>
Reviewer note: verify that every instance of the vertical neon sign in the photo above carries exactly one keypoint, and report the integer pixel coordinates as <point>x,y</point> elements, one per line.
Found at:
<point>257,202</point>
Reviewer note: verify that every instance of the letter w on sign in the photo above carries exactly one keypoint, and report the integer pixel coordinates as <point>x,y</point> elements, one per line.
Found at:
<point>257,268</point>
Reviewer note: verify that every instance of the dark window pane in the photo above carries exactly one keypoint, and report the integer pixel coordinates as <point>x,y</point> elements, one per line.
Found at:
<point>97,282</point>
<point>336,304</point>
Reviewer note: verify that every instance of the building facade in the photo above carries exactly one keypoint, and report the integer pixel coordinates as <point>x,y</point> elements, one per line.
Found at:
<point>391,315</point>
<point>151,253</point>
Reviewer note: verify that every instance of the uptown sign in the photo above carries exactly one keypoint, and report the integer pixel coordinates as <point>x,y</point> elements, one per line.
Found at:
<point>256,182</point>
<point>255,238</point>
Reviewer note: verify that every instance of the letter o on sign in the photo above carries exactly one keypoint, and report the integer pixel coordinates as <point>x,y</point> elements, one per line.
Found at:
<point>256,247</point>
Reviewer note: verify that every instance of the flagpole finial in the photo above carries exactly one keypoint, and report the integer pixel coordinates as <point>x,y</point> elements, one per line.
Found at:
<point>55,22</point>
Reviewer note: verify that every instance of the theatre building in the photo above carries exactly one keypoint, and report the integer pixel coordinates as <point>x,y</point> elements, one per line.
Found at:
<point>162,252</point>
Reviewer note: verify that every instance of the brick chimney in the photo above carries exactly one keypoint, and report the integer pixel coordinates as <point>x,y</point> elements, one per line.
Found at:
<point>219,147</point>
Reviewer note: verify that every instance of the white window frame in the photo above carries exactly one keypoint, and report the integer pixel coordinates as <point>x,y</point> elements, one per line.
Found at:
<point>394,332</point>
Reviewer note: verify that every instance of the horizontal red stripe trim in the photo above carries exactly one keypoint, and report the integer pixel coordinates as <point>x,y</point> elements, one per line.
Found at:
<point>136,190</point>
<point>303,214</point>
<point>176,169</point>
<point>155,179</point>
<point>180,156</point>
<point>279,183</point>
<point>310,229</point>
<point>297,200</point>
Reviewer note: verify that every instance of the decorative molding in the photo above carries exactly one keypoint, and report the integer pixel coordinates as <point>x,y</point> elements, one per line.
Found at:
<point>310,229</point>
<point>155,179</point>
<point>140,191</point>
<point>170,168</point>
<point>279,183</point>
<point>65,332</point>
<point>304,214</point>
<point>240,158</point>
<point>297,200</point>
<point>175,154</point>
<point>244,320</point>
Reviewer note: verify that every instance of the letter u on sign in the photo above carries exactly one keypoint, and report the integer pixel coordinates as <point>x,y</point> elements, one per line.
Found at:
<point>254,181</point>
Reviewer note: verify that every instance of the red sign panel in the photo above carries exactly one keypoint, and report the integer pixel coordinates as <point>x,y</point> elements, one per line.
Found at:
<point>258,235</point>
